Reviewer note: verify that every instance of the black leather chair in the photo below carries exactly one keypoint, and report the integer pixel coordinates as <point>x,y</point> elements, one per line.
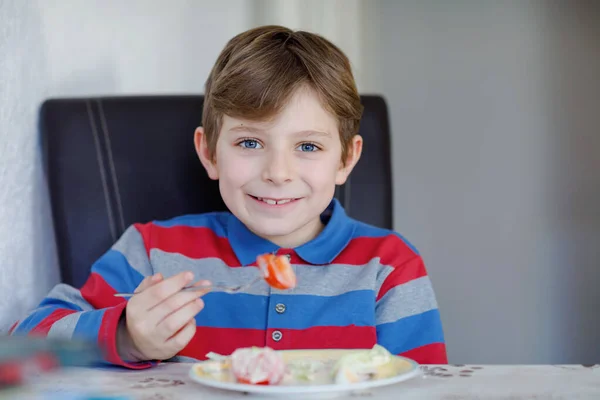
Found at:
<point>114,161</point>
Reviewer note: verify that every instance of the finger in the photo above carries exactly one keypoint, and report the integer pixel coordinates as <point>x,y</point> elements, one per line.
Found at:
<point>183,337</point>
<point>206,284</point>
<point>164,309</point>
<point>147,282</point>
<point>164,289</point>
<point>177,320</point>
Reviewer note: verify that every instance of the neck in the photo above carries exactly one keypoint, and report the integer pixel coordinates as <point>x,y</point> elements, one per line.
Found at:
<point>299,237</point>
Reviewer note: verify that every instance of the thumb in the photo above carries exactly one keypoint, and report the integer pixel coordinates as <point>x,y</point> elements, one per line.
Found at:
<point>148,282</point>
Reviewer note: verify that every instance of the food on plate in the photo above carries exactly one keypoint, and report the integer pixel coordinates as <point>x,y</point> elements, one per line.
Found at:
<point>265,366</point>
<point>257,365</point>
<point>361,365</point>
<point>277,271</point>
<point>216,364</point>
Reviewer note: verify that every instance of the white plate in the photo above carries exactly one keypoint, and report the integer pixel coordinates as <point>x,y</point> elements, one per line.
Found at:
<point>400,369</point>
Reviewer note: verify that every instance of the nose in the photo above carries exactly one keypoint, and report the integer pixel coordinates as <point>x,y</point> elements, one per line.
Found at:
<point>278,168</point>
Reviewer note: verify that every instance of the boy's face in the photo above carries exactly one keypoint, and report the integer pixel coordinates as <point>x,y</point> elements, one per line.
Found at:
<point>278,176</point>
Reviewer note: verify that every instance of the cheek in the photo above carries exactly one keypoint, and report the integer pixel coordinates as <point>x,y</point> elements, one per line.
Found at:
<point>234,171</point>
<point>321,176</point>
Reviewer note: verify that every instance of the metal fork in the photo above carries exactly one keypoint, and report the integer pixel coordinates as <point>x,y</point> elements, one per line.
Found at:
<point>226,289</point>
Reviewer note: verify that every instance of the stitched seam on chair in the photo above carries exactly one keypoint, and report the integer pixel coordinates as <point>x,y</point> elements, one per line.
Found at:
<point>111,163</point>
<point>111,221</point>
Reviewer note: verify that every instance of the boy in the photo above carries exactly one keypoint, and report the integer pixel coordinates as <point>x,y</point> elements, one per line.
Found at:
<point>279,131</point>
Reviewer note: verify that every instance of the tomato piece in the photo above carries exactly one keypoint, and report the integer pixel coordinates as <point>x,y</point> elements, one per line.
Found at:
<point>247,382</point>
<point>257,366</point>
<point>277,271</point>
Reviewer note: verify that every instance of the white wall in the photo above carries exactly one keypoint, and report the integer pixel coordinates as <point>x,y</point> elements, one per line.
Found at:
<point>52,48</point>
<point>495,114</point>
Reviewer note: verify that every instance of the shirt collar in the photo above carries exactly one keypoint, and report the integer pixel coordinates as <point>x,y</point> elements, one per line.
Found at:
<point>338,231</point>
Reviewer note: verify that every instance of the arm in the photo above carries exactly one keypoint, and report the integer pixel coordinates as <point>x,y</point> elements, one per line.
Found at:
<point>407,317</point>
<point>93,313</point>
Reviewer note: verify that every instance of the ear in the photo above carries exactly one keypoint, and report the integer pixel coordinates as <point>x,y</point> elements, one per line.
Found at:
<point>354,152</point>
<point>210,164</point>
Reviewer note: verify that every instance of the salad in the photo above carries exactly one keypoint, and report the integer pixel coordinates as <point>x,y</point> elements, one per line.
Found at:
<point>265,366</point>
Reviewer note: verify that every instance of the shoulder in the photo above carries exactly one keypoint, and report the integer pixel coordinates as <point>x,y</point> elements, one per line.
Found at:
<point>389,246</point>
<point>363,230</point>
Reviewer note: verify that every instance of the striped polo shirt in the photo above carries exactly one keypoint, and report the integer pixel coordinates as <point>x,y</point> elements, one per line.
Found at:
<point>357,285</point>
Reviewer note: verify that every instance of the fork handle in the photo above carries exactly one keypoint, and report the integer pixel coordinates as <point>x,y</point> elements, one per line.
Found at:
<point>184,289</point>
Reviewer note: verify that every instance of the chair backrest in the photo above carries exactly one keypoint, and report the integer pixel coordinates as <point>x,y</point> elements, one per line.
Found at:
<point>114,161</point>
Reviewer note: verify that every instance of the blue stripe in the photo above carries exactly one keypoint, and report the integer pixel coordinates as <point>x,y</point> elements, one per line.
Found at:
<point>215,221</point>
<point>33,320</point>
<point>365,230</point>
<point>117,272</point>
<point>88,325</point>
<point>302,311</point>
<point>411,332</point>
<point>240,310</point>
<point>305,311</point>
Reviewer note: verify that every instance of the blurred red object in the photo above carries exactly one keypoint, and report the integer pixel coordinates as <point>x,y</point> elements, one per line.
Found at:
<point>15,371</point>
<point>26,357</point>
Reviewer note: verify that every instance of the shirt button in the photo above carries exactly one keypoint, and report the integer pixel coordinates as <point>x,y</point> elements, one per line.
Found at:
<point>280,308</point>
<point>276,336</point>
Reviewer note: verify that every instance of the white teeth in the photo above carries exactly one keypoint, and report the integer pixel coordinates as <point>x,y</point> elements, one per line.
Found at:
<point>273,202</point>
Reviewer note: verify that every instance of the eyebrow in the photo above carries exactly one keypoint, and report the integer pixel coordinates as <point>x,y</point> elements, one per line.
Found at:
<point>252,129</point>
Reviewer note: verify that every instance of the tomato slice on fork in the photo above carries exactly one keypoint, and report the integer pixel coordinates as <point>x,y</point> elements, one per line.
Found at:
<point>277,271</point>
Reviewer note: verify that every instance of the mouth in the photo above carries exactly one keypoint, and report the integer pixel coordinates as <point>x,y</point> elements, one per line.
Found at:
<point>275,201</point>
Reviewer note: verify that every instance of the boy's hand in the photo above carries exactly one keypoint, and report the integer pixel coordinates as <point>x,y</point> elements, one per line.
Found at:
<point>160,318</point>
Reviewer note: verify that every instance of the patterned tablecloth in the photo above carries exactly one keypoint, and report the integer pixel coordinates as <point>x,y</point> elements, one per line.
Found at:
<point>448,382</point>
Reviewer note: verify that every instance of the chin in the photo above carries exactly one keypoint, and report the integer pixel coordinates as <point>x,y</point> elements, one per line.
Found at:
<point>266,231</point>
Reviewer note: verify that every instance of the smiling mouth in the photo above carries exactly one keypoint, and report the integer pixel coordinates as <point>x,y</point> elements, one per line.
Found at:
<point>274,202</point>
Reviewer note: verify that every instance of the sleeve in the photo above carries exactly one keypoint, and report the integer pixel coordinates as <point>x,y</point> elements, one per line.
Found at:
<point>92,313</point>
<point>408,321</point>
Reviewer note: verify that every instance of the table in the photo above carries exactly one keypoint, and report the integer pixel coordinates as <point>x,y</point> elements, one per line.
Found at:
<point>449,382</point>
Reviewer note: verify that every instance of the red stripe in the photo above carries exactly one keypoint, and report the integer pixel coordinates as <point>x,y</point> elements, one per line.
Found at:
<point>186,241</point>
<point>192,242</point>
<point>434,353</point>
<point>99,293</point>
<point>404,273</point>
<point>226,340</point>
<point>44,326</point>
<point>325,337</point>
<point>107,338</point>
<point>391,249</point>
<point>144,230</point>
<point>12,328</point>
<point>221,340</point>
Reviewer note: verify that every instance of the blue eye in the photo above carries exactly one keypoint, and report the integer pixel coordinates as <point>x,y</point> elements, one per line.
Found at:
<point>249,144</point>
<point>308,147</point>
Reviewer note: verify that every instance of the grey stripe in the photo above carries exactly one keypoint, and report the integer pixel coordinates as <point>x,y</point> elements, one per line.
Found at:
<point>331,280</point>
<point>337,279</point>
<point>213,269</point>
<point>111,163</point>
<point>411,298</point>
<point>384,272</point>
<point>131,245</point>
<point>64,327</point>
<point>68,293</point>
<point>111,221</point>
